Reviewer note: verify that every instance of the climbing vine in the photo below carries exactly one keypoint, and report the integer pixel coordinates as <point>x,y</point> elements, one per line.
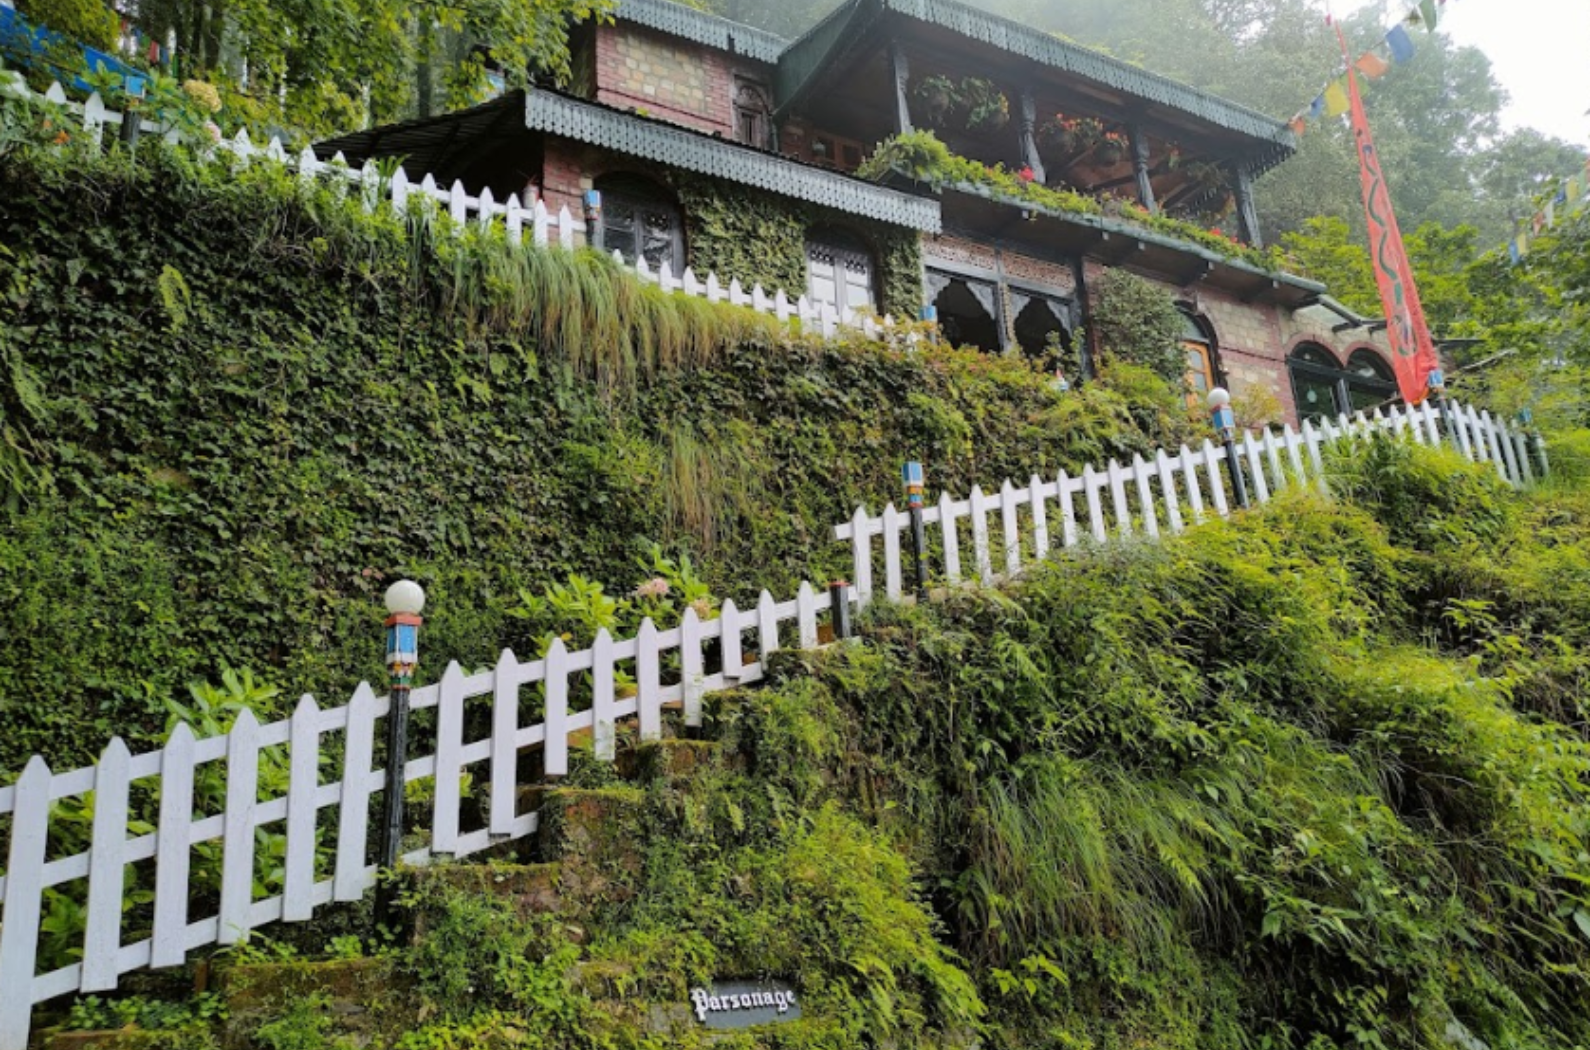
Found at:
<point>761,239</point>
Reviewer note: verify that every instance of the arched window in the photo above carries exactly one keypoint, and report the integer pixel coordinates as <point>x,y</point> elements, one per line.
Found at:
<point>751,112</point>
<point>1199,347</point>
<point>639,218</point>
<point>1323,388</point>
<point>838,271</point>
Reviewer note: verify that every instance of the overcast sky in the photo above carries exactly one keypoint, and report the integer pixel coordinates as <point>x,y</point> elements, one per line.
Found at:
<point>1540,50</point>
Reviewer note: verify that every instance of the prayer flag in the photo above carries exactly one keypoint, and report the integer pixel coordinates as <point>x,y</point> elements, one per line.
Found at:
<point>1512,251</point>
<point>1372,65</point>
<point>1401,44</point>
<point>1427,14</point>
<point>1298,126</point>
<point>1336,102</point>
<point>1412,350</point>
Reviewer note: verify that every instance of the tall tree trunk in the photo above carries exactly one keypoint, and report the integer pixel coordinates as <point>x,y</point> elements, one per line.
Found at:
<point>424,88</point>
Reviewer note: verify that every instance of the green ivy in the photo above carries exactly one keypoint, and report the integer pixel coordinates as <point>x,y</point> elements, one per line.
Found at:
<point>759,238</point>
<point>263,404</point>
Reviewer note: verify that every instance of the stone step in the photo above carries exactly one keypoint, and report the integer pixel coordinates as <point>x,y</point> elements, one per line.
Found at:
<point>365,1001</point>
<point>665,760</point>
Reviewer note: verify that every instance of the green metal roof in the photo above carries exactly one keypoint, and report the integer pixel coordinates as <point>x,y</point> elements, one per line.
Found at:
<point>804,61</point>
<point>705,154</point>
<point>678,20</point>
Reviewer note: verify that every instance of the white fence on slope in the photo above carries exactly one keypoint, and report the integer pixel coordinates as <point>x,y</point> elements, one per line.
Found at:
<point>523,222</point>
<point>330,807</point>
<point>1149,497</point>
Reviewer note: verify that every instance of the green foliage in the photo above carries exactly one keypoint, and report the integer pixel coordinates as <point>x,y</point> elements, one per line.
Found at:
<point>87,20</point>
<point>92,1012</point>
<point>921,157</point>
<point>761,239</point>
<point>1137,322</point>
<point>348,398</point>
<point>1426,498</point>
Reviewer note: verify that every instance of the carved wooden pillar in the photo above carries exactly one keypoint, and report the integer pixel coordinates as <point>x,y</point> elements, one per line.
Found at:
<point>1029,136</point>
<point>1247,211</point>
<point>902,85</point>
<point>1145,185</point>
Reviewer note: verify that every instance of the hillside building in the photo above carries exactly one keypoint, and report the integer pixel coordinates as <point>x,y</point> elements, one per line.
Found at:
<point>727,149</point>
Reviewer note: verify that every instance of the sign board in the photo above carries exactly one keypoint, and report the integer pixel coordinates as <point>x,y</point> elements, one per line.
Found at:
<point>742,1004</point>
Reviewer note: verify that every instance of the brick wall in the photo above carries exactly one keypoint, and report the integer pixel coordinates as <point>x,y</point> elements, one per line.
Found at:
<point>567,171</point>
<point>1019,268</point>
<point>671,79</point>
<point>957,250</point>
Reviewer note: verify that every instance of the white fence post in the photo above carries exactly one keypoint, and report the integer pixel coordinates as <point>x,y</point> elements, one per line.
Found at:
<point>303,778</point>
<point>172,850</point>
<point>107,866</point>
<point>555,748</point>
<point>353,822</point>
<point>692,664</point>
<point>24,900</point>
<point>449,760</point>
<point>504,739</point>
<point>861,550</point>
<point>648,682</point>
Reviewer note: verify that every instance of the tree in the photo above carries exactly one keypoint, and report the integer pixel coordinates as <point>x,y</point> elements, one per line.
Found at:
<point>332,64</point>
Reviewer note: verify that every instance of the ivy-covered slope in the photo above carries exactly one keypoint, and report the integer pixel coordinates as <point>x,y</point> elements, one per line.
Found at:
<point>234,407</point>
<point>1311,780</point>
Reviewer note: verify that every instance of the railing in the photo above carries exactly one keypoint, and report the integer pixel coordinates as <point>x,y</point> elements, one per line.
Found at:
<point>523,223</point>
<point>579,695</point>
<point>1151,496</point>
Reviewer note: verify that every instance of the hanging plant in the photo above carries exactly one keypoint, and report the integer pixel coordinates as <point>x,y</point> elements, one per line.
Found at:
<point>1205,175</point>
<point>973,102</point>
<point>1072,134</point>
<point>1112,148</point>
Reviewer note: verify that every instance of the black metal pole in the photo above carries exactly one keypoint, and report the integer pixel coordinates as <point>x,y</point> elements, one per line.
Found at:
<point>1239,484</point>
<point>404,601</point>
<point>919,552</point>
<point>397,736</point>
<point>839,607</point>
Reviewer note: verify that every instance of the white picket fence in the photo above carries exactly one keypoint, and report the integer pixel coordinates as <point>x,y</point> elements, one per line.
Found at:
<point>524,223</point>
<point>1148,497</point>
<point>325,806</point>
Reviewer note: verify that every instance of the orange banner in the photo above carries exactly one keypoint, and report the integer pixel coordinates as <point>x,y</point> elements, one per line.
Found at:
<point>1413,351</point>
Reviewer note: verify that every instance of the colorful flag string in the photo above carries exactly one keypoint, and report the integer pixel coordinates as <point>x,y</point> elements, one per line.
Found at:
<point>1394,48</point>
<point>1569,197</point>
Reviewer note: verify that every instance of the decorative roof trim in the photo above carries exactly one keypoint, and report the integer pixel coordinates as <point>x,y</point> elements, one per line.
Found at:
<point>705,154</point>
<point>678,20</point>
<point>805,58</point>
<point>1134,232</point>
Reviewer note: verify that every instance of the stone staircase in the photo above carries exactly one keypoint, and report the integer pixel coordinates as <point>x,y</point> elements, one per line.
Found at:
<point>584,856</point>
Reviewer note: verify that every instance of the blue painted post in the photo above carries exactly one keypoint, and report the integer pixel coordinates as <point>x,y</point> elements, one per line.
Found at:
<point>915,491</point>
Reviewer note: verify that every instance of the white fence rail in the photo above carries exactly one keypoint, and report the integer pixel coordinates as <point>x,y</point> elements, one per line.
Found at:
<point>524,222</point>
<point>330,807</point>
<point>1148,497</point>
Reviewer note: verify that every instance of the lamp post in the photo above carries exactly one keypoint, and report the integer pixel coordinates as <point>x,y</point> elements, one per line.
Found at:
<point>915,488</point>
<point>1225,422</point>
<point>404,600</point>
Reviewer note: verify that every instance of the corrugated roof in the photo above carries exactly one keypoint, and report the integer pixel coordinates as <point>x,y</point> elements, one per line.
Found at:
<point>435,145</point>
<point>703,28</point>
<point>705,154</point>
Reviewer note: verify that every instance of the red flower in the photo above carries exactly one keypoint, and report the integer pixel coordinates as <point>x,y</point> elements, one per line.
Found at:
<point>1026,173</point>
